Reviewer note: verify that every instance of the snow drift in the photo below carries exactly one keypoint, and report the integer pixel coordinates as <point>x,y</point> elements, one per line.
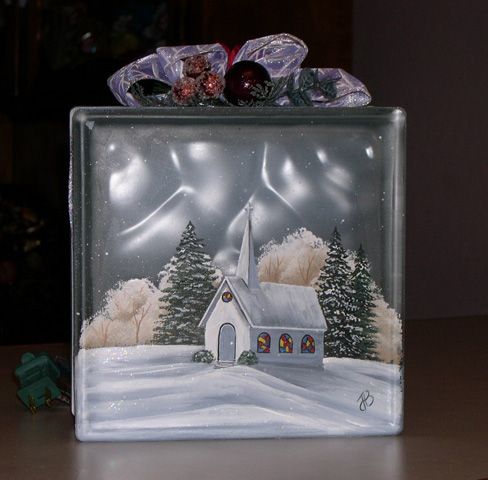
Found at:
<point>156,393</point>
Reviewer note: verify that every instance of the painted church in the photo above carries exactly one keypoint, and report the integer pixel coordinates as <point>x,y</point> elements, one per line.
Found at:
<point>280,323</point>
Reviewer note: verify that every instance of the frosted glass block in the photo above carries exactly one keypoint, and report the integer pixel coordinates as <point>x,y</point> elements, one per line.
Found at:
<point>237,273</point>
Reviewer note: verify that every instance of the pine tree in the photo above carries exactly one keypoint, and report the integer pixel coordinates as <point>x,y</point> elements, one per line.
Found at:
<point>363,302</point>
<point>190,290</point>
<point>336,298</point>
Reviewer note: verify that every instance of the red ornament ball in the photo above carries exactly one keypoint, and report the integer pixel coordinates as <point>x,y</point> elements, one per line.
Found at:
<point>210,85</point>
<point>184,90</point>
<point>241,78</point>
<point>194,66</point>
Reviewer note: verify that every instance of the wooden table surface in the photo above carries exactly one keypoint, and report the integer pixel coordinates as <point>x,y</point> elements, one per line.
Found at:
<point>445,436</point>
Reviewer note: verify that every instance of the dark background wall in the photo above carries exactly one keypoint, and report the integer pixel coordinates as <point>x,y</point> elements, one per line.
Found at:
<point>428,57</point>
<point>431,58</point>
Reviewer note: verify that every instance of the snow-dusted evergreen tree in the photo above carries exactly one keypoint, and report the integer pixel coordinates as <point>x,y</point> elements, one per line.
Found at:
<point>190,289</point>
<point>364,296</point>
<point>336,298</point>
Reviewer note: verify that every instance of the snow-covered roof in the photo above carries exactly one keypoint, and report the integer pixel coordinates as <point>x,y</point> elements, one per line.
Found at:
<point>274,305</point>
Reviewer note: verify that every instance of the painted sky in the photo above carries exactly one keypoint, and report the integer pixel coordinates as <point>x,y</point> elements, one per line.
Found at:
<point>145,180</point>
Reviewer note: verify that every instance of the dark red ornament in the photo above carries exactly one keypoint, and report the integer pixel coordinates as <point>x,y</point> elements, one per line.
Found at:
<point>210,85</point>
<point>195,66</point>
<point>241,78</point>
<point>184,90</point>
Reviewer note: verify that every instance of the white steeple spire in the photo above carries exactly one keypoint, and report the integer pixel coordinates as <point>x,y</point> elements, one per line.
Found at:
<point>246,267</point>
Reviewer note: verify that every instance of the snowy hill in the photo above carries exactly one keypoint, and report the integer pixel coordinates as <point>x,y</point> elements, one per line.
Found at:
<point>156,393</point>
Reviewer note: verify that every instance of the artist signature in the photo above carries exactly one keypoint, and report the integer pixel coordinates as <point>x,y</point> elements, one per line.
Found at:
<point>365,400</point>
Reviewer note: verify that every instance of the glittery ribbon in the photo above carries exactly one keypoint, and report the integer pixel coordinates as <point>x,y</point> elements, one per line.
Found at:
<point>281,55</point>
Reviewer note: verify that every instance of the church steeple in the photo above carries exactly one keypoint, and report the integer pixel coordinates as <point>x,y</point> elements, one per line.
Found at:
<point>246,267</point>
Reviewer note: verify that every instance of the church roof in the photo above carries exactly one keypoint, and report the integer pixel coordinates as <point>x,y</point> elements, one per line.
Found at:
<point>275,305</point>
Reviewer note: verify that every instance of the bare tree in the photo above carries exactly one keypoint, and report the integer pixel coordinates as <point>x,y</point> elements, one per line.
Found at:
<point>271,268</point>
<point>101,329</point>
<point>138,315</point>
<point>296,260</point>
<point>128,316</point>
<point>308,266</point>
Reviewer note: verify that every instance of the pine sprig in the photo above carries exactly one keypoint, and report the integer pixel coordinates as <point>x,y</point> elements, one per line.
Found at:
<point>328,88</point>
<point>298,91</point>
<point>267,94</point>
<point>308,81</point>
<point>157,94</point>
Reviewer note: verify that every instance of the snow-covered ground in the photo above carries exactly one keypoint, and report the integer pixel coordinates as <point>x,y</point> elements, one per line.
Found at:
<point>156,393</point>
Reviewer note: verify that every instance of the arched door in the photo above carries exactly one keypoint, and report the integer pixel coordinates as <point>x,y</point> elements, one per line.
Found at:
<point>227,343</point>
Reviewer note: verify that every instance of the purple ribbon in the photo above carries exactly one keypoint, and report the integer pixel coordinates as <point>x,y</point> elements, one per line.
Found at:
<point>280,54</point>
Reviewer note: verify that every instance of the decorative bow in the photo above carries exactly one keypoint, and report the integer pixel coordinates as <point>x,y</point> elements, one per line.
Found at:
<point>280,55</point>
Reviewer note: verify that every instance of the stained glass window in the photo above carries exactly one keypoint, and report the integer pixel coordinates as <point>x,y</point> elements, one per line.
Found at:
<point>286,343</point>
<point>264,342</point>
<point>308,344</point>
<point>227,297</point>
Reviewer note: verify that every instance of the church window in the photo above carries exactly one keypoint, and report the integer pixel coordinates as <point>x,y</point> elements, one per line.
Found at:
<point>286,343</point>
<point>308,344</point>
<point>227,297</point>
<point>264,342</point>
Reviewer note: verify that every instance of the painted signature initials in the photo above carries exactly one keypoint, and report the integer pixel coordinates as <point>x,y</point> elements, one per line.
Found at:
<point>365,400</point>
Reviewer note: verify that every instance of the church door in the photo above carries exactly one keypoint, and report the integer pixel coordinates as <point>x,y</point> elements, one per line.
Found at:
<point>227,343</point>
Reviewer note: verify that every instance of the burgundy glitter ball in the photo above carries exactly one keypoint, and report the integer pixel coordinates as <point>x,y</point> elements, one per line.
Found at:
<point>241,78</point>
<point>195,66</point>
<point>184,90</point>
<point>210,85</point>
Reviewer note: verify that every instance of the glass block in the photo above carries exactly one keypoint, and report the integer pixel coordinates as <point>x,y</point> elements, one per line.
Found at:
<point>237,272</point>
